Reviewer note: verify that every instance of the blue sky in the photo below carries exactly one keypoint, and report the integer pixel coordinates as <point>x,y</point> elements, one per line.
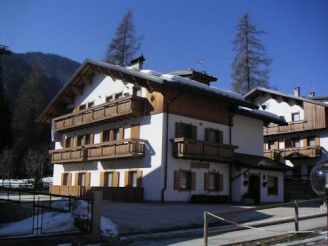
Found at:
<point>177,34</point>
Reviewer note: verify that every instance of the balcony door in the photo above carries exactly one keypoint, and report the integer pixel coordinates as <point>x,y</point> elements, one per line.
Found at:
<point>254,187</point>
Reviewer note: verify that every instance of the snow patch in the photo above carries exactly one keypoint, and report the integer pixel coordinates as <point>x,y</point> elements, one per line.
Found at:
<point>108,228</point>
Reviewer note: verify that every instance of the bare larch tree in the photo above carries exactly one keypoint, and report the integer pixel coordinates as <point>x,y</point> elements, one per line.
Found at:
<point>250,67</point>
<point>125,44</point>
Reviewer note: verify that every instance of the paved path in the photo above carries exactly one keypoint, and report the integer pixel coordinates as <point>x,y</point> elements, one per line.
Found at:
<point>155,217</point>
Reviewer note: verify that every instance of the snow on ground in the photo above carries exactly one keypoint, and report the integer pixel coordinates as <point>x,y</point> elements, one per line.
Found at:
<point>108,228</point>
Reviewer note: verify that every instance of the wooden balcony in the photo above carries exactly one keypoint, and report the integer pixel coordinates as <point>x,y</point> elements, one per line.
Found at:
<point>272,154</point>
<point>65,190</point>
<point>200,150</point>
<point>123,108</point>
<point>126,148</point>
<point>302,152</point>
<point>292,127</point>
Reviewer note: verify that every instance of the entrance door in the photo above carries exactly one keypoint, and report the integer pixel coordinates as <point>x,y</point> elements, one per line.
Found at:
<point>254,187</point>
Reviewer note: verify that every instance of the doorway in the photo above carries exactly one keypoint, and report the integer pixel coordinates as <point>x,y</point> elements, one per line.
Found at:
<point>254,188</point>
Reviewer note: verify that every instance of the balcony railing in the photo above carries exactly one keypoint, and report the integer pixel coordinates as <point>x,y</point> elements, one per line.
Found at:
<point>291,127</point>
<point>200,150</point>
<point>127,107</point>
<point>127,148</point>
<point>75,190</point>
<point>302,152</point>
<point>272,154</point>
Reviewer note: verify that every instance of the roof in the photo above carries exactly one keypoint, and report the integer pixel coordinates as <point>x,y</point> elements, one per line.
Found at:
<point>262,115</point>
<point>89,67</point>
<point>258,90</point>
<point>320,98</point>
<point>195,75</point>
<point>259,162</point>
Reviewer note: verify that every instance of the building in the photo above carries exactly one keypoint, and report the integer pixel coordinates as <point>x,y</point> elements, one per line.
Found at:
<point>304,140</point>
<point>171,135</point>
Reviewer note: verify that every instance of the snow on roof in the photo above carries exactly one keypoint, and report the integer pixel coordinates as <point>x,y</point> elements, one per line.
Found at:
<point>263,115</point>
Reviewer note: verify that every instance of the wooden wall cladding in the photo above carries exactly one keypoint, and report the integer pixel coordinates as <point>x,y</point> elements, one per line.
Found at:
<point>315,115</point>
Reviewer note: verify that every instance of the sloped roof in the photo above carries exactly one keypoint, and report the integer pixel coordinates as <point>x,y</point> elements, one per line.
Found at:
<point>258,90</point>
<point>259,162</point>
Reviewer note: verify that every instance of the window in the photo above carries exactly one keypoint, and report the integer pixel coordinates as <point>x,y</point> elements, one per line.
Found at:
<point>118,95</point>
<point>87,139</point>
<point>213,136</point>
<point>271,145</point>
<point>116,134</point>
<point>82,179</point>
<point>65,179</point>
<point>185,130</point>
<point>81,107</point>
<point>213,181</point>
<point>68,142</point>
<point>296,116</point>
<point>296,142</point>
<point>105,136</point>
<point>109,178</point>
<point>90,104</point>
<point>136,91</point>
<point>133,179</point>
<point>109,98</point>
<point>311,141</point>
<point>272,185</point>
<point>185,180</point>
<point>79,140</point>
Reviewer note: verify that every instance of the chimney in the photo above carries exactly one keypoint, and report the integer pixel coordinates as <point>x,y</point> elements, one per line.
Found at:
<point>311,94</point>
<point>138,62</point>
<point>297,91</point>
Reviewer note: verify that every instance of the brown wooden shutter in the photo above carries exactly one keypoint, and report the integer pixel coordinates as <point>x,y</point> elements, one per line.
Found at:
<point>116,179</point>
<point>135,131</point>
<point>139,178</point>
<point>206,181</point>
<point>178,128</point>
<point>317,141</point>
<point>126,178</point>
<point>76,181</point>
<point>92,138</point>
<point>276,145</point>
<point>177,180</point>
<point>102,136</point>
<point>102,179</point>
<point>305,142</point>
<point>193,181</point>
<point>121,133</point>
<point>288,143</point>
<point>220,182</point>
<point>69,179</point>
<point>87,179</point>
<point>73,141</point>
<point>62,178</point>
<point>194,132</point>
<point>111,135</point>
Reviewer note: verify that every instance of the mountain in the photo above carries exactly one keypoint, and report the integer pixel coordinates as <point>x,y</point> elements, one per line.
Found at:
<point>17,69</point>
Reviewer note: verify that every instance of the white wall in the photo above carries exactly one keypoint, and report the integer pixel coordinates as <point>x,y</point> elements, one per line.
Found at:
<point>247,134</point>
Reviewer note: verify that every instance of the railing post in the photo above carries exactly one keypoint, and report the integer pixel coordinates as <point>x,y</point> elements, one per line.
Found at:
<point>296,215</point>
<point>205,228</point>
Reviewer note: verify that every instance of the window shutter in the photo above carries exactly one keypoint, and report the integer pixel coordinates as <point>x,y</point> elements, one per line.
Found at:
<point>178,130</point>
<point>276,145</point>
<point>194,132</point>
<point>73,141</point>
<point>87,179</point>
<point>206,181</point>
<point>111,135</point>
<point>139,178</point>
<point>176,180</point>
<point>305,142</point>
<point>207,130</point>
<point>116,179</point>
<point>69,181</point>
<point>193,181</point>
<point>121,133</point>
<point>92,136</point>
<point>288,143</point>
<point>62,178</point>
<point>126,178</point>
<point>220,182</point>
<point>102,136</point>
<point>135,131</point>
<point>317,141</point>
<point>76,181</point>
<point>102,179</point>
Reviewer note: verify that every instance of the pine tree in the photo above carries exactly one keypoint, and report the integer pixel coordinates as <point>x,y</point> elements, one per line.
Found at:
<point>251,64</point>
<point>125,44</point>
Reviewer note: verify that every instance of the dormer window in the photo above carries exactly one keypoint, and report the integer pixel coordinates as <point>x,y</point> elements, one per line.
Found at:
<point>109,98</point>
<point>83,106</point>
<point>296,116</point>
<point>118,95</point>
<point>90,104</point>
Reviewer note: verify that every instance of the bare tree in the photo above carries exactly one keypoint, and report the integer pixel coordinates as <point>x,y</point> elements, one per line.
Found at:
<point>125,44</point>
<point>251,64</point>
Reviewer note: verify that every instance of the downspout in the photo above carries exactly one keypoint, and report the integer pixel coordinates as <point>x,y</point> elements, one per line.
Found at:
<point>230,169</point>
<point>167,142</point>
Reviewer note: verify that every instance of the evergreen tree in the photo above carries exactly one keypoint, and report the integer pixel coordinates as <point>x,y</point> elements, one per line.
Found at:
<point>125,44</point>
<point>251,64</point>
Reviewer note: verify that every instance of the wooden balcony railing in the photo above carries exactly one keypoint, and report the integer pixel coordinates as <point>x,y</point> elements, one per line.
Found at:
<point>126,148</point>
<point>127,107</point>
<point>75,190</point>
<point>292,127</point>
<point>302,152</point>
<point>200,150</point>
<point>272,154</point>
